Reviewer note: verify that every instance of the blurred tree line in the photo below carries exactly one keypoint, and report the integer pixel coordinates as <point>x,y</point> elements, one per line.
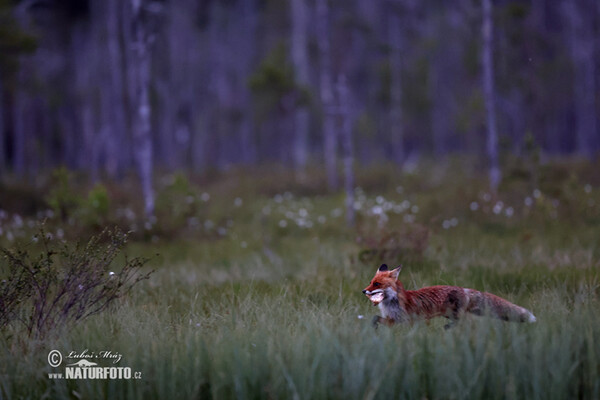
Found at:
<point>107,86</point>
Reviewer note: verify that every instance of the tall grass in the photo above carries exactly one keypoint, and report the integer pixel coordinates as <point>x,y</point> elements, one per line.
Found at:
<point>284,316</point>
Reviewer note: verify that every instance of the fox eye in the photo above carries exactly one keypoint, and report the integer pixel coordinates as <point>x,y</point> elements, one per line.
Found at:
<point>376,284</point>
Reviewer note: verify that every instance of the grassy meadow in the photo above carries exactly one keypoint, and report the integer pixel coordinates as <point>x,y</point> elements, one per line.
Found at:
<point>256,290</point>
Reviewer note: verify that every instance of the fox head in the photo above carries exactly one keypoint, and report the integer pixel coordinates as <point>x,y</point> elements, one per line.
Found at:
<point>385,284</point>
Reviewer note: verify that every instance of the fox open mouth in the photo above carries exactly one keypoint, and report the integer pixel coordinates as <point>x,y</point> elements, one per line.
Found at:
<point>376,297</point>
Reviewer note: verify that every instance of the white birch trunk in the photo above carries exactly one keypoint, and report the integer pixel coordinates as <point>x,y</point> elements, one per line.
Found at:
<point>326,92</point>
<point>21,128</point>
<point>396,117</point>
<point>581,40</point>
<point>2,140</point>
<point>489,95</point>
<point>140,64</point>
<point>347,146</point>
<point>300,59</point>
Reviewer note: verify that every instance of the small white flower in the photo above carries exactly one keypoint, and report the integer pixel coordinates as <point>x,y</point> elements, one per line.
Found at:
<point>111,273</point>
<point>244,245</point>
<point>537,193</point>
<point>409,218</point>
<point>238,202</point>
<point>17,221</point>
<point>509,212</point>
<point>321,219</point>
<point>498,207</point>
<point>528,201</point>
<point>587,188</point>
<point>474,206</point>
<point>360,316</point>
<point>205,197</point>
<point>283,223</point>
<point>414,209</point>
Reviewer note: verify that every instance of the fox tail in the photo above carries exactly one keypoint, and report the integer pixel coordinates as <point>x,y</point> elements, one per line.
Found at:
<point>482,302</point>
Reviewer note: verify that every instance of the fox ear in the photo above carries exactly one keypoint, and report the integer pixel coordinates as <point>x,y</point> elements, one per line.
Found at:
<point>396,271</point>
<point>383,267</point>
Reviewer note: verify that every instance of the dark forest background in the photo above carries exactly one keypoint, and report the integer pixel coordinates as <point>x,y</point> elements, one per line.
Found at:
<point>111,86</point>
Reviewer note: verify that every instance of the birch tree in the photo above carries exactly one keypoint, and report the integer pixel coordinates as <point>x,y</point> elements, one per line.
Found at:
<point>299,16</point>
<point>347,145</point>
<point>326,92</point>
<point>489,93</point>
<point>2,139</point>
<point>140,74</point>
<point>396,120</point>
<point>581,41</point>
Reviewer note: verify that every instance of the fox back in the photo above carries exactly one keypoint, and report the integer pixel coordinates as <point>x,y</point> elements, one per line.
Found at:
<point>398,305</point>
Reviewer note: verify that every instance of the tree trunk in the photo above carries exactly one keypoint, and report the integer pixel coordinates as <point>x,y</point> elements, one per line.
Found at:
<point>300,60</point>
<point>347,146</point>
<point>140,64</point>
<point>584,80</point>
<point>119,142</point>
<point>2,130</point>
<point>247,51</point>
<point>327,99</point>
<point>489,95</point>
<point>396,128</point>
<point>21,129</point>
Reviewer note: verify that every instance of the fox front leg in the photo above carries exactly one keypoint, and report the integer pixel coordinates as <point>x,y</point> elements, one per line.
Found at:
<point>380,320</point>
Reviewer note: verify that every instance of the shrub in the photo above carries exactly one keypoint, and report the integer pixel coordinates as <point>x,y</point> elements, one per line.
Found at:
<point>65,283</point>
<point>405,245</point>
<point>62,196</point>
<point>95,209</point>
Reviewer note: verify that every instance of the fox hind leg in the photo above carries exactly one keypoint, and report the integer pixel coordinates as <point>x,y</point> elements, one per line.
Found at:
<point>454,305</point>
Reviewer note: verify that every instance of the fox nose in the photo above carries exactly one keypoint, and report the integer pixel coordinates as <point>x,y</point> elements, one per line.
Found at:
<point>364,291</point>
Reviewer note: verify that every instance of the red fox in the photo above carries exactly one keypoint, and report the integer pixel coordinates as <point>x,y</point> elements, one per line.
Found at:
<point>399,305</point>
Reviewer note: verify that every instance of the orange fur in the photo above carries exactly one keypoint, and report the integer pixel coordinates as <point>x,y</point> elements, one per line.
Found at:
<point>399,305</point>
